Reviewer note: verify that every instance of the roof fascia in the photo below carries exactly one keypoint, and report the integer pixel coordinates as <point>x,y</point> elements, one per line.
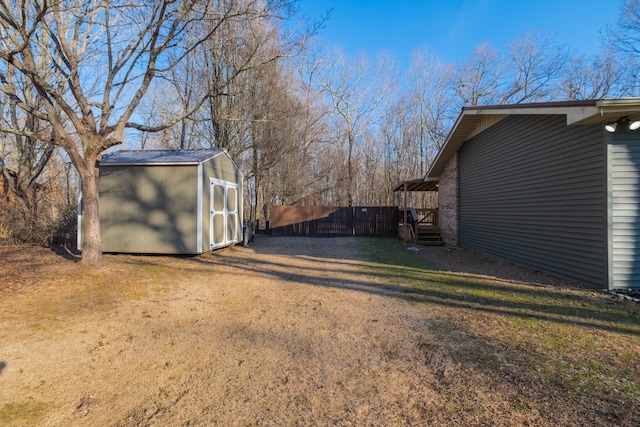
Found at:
<point>576,112</point>
<point>215,152</point>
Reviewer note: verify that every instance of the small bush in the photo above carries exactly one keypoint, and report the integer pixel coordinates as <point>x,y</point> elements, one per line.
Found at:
<point>21,226</point>
<point>65,227</point>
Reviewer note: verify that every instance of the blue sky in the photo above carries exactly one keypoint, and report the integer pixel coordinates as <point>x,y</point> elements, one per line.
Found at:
<point>453,28</point>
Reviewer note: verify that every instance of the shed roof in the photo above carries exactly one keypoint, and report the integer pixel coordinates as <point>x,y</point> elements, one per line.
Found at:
<point>160,157</point>
<point>473,120</point>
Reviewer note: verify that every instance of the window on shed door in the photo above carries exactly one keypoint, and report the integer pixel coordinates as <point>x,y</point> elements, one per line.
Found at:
<point>218,214</point>
<point>232,212</point>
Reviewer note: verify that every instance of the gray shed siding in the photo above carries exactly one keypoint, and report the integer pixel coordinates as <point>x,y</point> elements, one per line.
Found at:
<point>624,224</point>
<point>159,201</point>
<point>221,168</point>
<point>149,208</point>
<point>534,191</point>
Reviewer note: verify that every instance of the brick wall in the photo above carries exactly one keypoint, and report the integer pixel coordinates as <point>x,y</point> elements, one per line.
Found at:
<point>448,198</point>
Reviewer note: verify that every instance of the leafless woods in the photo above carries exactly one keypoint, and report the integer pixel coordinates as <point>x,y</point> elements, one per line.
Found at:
<point>307,124</point>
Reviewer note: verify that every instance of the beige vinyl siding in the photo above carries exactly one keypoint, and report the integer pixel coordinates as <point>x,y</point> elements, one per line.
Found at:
<point>533,190</point>
<point>624,185</point>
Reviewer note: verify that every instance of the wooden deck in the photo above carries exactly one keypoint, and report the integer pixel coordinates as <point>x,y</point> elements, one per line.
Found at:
<point>420,226</point>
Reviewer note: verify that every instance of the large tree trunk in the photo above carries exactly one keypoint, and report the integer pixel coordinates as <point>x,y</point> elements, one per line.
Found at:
<point>91,238</point>
<point>350,170</point>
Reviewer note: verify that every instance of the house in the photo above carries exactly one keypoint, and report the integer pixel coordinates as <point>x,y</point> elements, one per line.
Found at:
<point>555,186</point>
<point>169,202</point>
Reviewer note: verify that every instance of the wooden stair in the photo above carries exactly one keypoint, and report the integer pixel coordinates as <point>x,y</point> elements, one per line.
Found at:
<point>428,236</point>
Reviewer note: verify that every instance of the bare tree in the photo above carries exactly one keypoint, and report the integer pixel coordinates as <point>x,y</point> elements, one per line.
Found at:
<point>23,158</point>
<point>104,55</point>
<point>355,93</point>
<point>526,72</point>
<point>181,79</point>
<point>431,103</point>
<point>597,78</point>
<point>625,36</point>
<point>623,39</point>
<point>533,63</point>
<point>476,81</point>
<point>371,188</point>
<point>276,168</point>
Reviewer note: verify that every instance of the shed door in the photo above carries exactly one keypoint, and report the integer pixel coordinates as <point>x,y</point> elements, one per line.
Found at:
<point>232,213</point>
<point>224,213</point>
<point>624,163</point>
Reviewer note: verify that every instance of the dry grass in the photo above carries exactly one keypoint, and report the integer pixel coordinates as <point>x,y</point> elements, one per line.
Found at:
<point>524,353</point>
<point>306,332</point>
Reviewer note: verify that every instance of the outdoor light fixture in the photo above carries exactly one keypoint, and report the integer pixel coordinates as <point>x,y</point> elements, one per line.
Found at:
<point>623,123</point>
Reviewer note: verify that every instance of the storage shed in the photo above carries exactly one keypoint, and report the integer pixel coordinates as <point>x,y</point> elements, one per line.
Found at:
<point>170,202</point>
<point>555,186</point>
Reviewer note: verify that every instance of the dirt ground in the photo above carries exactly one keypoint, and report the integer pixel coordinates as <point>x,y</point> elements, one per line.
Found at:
<point>478,264</point>
<point>288,331</point>
<point>267,334</point>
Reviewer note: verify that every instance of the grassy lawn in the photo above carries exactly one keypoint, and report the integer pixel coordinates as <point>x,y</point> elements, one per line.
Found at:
<point>541,352</point>
<point>344,332</point>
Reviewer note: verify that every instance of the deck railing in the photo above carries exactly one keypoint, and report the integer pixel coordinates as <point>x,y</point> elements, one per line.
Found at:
<point>413,219</point>
<point>426,217</point>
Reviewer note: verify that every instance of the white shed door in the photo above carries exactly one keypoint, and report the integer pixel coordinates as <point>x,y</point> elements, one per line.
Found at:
<point>624,161</point>
<point>224,213</point>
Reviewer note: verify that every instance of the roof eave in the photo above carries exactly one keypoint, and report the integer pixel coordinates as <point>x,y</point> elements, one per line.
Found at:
<point>418,184</point>
<point>473,120</point>
<point>142,163</point>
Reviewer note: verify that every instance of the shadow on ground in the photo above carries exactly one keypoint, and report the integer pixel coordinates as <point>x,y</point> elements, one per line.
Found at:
<point>419,282</point>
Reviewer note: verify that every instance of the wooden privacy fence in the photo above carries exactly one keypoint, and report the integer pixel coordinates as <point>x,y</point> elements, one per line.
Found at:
<point>323,221</point>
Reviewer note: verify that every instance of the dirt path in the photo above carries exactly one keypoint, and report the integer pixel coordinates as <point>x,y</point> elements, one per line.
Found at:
<point>286,332</point>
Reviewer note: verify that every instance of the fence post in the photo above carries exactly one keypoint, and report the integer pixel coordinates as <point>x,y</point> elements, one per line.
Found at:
<point>353,220</point>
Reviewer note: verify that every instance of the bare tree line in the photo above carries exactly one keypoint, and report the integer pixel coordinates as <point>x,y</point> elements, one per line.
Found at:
<point>306,124</point>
